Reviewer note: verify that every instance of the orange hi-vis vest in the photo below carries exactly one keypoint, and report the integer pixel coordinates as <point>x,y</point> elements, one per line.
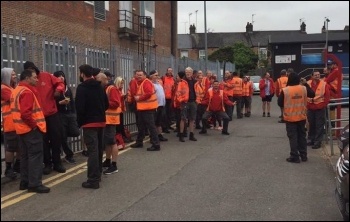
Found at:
<point>168,83</point>
<point>112,115</point>
<point>319,94</point>
<point>228,89</point>
<point>282,82</point>
<point>199,88</point>
<point>150,103</point>
<point>247,88</point>
<point>37,113</point>
<point>210,91</point>
<point>237,89</point>
<point>295,101</point>
<point>8,124</point>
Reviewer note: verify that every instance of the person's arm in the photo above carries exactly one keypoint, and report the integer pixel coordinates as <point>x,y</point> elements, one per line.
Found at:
<point>227,101</point>
<point>5,94</point>
<point>58,84</point>
<point>327,94</point>
<point>205,99</point>
<point>114,98</point>
<point>80,101</point>
<point>262,84</point>
<point>309,92</point>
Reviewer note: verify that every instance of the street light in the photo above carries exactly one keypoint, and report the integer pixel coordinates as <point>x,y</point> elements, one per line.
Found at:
<point>205,35</point>
<point>189,18</point>
<point>327,20</point>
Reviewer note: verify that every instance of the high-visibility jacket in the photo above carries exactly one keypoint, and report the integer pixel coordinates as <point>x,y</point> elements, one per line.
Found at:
<point>182,93</point>
<point>281,83</point>
<point>295,102</point>
<point>8,124</point>
<point>238,84</point>
<point>37,113</point>
<point>200,90</point>
<point>210,91</point>
<point>168,83</point>
<point>319,94</point>
<point>112,115</point>
<point>247,89</point>
<point>229,88</point>
<point>150,103</point>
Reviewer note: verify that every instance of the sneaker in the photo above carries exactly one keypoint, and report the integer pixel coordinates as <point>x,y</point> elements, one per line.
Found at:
<point>225,133</point>
<point>263,114</point>
<point>311,143</point>
<point>9,173</point>
<point>85,153</point>
<point>70,160</point>
<point>23,185</point>
<point>316,146</point>
<point>111,169</point>
<point>137,145</point>
<point>268,115</point>
<point>303,158</point>
<point>90,185</point>
<point>162,138</point>
<point>106,163</point>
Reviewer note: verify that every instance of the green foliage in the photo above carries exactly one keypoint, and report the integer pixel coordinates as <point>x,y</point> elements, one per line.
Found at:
<point>239,54</point>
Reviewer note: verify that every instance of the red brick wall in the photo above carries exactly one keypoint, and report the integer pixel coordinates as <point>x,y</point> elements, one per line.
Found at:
<point>75,20</point>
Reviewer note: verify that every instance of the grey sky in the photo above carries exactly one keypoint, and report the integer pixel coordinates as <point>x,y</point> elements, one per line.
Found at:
<point>232,16</point>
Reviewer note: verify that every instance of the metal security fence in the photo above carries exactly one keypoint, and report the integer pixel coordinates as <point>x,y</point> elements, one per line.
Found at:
<point>60,53</point>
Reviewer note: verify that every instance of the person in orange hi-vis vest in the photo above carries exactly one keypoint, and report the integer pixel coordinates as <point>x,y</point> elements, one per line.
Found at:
<point>281,82</point>
<point>146,104</point>
<point>316,109</point>
<point>175,105</point>
<point>8,83</point>
<point>214,101</point>
<point>30,125</point>
<point>227,86</point>
<point>247,91</point>
<point>180,101</point>
<point>168,85</point>
<point>201,88</point>
<point>237,93</point>
<point>293,99</point>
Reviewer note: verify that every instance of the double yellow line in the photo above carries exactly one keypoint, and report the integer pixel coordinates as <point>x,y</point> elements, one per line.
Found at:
<point>21,195</point>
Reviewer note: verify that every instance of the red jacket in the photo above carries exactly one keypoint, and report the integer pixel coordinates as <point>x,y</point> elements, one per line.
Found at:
<point>114,98</point>
<point>262,86</point>
<point>322,105</point>
<point>26,101</point>
<point>216,102</point>
<point>46,87</point>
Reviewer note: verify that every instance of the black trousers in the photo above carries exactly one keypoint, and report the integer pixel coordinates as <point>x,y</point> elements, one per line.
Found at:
<point>93,138</point>
<point>31,145</point>
<point>296,133</point>
<point>317,122</point>
<point>53,140</point>
<point>237,99</point>
<point>220,114</point>
<point>200,111</point>
<point>67,127</point>
<point>169,112</point>
<point>146,121</point>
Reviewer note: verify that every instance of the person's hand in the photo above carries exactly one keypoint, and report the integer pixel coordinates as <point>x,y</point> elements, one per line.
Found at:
<point>64,101</point>
<point>136,98</point>
<point>56,94</point>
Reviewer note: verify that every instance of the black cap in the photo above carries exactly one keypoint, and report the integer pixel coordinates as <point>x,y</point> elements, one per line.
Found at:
<point>108,74</point>
<point>29,64</point>
<point>181,74</point>
<point>95,71</point>
<point>153,72</point>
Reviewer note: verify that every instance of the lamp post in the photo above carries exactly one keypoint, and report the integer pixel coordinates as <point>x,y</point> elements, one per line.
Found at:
<point>205,35</point>
<point>327,20</point>
<point>189,18</point>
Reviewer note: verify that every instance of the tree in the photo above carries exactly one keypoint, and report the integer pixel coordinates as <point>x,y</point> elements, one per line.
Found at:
<point>241,55</point>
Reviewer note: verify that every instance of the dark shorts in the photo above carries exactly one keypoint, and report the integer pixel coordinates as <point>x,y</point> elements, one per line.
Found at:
<point>246,101</point>
<point>11,140</point>
<point>267,98</point>
<point>110,132</point>
<point>189,110</point>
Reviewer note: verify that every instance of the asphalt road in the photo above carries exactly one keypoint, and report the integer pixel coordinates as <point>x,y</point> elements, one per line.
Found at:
<point>243,176</point>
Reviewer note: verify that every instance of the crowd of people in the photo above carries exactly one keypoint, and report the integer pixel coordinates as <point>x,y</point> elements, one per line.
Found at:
<point>40,113</point>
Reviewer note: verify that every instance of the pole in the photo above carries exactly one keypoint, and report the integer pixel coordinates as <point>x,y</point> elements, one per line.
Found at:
<point>205,35</point>
<point>189,18</point>
<point>327,20</point>
<point>196,19</point>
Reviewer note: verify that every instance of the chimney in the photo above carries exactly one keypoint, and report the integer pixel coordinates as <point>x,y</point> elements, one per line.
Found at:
<point>192,29</point>
<point>249,28</point>
<point>303,27</point>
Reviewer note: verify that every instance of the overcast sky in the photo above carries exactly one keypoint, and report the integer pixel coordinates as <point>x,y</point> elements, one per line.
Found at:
<point>232,16</point>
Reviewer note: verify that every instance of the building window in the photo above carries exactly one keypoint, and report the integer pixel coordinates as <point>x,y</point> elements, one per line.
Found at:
<point>201,54</point>
<point>100,10</point>
<point>262,53</point>
<point>13,51</point>
<point>148,9</point>
<point>97,58</point>
<point>311,54</point>
<point>184,53</point>
<point>92,3</point>
<point>57,57</point>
